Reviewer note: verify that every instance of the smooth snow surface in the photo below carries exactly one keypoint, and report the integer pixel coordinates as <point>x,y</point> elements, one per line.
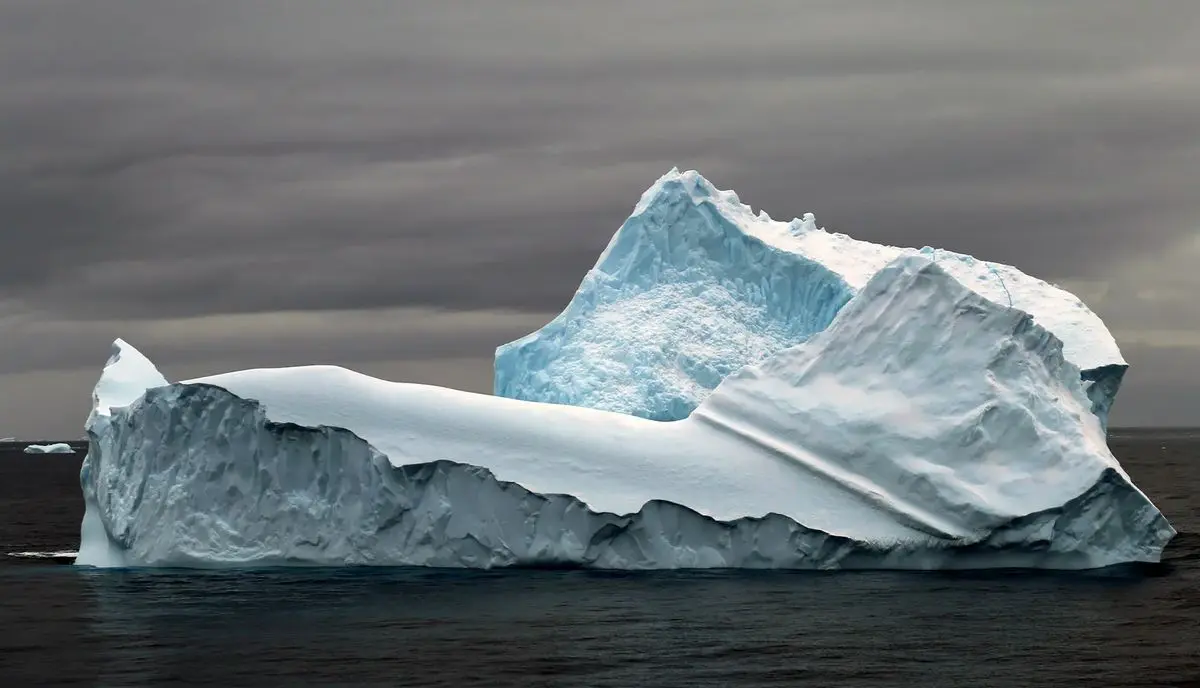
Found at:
<point>925,427</point>
<point>695,285</point>
<point>56,448</point>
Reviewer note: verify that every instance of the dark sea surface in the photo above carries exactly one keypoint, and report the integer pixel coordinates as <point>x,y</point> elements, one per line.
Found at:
<point>400,627</point>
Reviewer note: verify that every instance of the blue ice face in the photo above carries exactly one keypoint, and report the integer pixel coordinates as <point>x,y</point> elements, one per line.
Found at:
<point>682,298</point>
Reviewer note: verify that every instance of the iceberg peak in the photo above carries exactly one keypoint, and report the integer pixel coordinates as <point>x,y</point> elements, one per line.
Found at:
<point>694,285</point>
<point>675,187</point>
<point>126,376</point>
<point>675,184</point>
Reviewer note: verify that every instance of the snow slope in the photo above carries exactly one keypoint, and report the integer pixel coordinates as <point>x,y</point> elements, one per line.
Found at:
<point>694,286</point>
<point>925,427</point>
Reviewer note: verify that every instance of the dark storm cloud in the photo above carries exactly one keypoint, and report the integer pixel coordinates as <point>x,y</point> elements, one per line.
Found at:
<point>201,158</point>
<point>181,160</point>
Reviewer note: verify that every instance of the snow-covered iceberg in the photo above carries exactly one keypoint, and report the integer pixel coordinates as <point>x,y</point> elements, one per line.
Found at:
<point>695,285</point>
<point>55,448</point>
<point>924,427</point>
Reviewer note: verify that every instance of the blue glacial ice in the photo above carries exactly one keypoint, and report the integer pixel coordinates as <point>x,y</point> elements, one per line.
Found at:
<point>695,285</point>
<point>925,426</point>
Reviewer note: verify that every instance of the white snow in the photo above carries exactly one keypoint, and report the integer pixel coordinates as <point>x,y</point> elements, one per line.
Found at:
<point>127,375</point>
<point>56,448</point>
<point>925,427</point>
<point>695,285</point>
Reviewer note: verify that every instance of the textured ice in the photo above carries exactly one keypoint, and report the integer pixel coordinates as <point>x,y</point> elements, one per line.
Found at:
<point>925,427</point>
<point>56,448</point>
<point>695,285</point>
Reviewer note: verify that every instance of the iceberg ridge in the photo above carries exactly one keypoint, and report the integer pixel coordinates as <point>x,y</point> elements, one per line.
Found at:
<point>695,285</point>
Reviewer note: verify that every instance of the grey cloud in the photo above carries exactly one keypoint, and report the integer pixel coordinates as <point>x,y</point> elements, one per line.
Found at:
<point>1162,388</point>
<point>172,159</point>
<point>55,404</point>
<point>265,339</point>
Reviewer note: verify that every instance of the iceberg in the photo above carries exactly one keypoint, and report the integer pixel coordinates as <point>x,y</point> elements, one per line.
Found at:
<point>56,448</point>
<point>924,427</point>
<point>695,285</point>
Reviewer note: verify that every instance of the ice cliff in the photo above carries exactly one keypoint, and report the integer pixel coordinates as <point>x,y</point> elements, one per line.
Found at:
<point>695,285</point>
<point>924,426</point>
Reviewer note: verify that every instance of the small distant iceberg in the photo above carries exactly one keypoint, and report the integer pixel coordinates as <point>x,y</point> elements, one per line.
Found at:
<point>56,448</point>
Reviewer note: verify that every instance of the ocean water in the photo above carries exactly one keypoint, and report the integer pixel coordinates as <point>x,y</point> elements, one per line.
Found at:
<point>1136,626</point>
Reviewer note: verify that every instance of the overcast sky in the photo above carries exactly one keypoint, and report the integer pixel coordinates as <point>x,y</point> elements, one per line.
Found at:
<point>399,187</point>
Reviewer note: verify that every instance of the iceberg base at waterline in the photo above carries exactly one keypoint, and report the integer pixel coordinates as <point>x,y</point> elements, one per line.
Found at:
<point>925,427</point>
